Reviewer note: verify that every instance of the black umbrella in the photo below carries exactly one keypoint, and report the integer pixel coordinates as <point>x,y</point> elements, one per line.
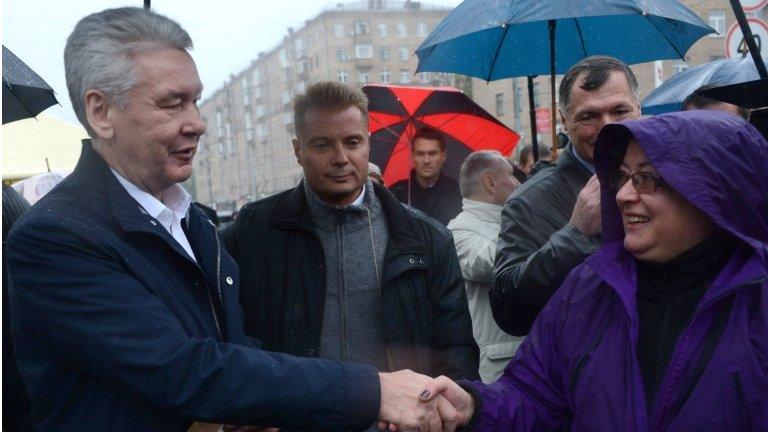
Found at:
<point>25,94</point>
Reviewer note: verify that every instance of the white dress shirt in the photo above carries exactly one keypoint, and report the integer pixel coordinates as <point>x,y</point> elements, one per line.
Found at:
<point>169,211</point>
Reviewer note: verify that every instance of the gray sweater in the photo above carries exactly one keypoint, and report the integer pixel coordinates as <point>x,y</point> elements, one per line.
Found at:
<point>352,328</point>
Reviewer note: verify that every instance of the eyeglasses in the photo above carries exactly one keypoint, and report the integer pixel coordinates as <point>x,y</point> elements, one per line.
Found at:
<point>644,182</point>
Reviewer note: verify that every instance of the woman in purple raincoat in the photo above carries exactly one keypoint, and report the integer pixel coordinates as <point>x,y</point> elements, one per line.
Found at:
<point>666,326</point>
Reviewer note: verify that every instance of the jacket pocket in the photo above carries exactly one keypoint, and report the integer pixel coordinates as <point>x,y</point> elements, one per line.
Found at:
<point>501,350</point>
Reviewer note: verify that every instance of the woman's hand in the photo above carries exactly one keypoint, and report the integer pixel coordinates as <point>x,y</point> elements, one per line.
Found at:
<point>463,402</point>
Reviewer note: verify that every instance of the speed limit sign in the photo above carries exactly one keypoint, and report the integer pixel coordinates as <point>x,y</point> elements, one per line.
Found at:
<point>751,6</point>
<point>735,45</point>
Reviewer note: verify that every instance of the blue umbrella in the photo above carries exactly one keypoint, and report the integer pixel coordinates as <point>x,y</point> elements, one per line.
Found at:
<point>669,96</point>
<point>496,39</point>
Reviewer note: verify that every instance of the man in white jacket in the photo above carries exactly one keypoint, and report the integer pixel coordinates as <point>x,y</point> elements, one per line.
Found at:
<point>486,181</point>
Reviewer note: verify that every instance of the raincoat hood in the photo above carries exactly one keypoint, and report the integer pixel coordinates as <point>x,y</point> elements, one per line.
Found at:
<point>716,161</point>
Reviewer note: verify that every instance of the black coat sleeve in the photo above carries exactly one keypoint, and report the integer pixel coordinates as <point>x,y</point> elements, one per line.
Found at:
<point>532,262</point>
<point>457,353</point>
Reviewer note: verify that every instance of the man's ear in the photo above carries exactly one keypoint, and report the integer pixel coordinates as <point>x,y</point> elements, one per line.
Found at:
<point>297,150</point>
<point>97,112</point>
<point>488,183</point>
<point>562,120</point>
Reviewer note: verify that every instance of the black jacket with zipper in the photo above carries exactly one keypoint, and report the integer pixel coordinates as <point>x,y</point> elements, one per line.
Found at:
<point>427,325</point>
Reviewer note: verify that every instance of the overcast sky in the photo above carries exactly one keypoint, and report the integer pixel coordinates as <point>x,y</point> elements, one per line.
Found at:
<point>227,34</point>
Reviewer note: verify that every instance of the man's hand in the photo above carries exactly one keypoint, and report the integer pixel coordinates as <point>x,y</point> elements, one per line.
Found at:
<point>401,408</point>
<point>462,402</point>
<point>586,212</point>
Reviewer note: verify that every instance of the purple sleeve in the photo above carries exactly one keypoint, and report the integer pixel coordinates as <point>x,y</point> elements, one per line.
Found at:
<point>530,395</point>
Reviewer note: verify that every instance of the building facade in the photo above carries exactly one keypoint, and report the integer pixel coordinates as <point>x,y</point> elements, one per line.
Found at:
<point>246,153</point>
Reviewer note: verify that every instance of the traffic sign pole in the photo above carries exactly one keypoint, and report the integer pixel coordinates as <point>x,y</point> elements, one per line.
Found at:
<point>749,38</point>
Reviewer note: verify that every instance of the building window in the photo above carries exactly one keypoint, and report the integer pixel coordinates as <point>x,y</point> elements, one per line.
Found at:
<point>361,27</point>
<point>424,77</point>
<point>219,125</point>
<point>499,104</point>
<point>228,132</point>
<point>298,46</point>
<point>261,130</point>
<point>717,22</point>
<point>246,94</point>
<point>404,54</point>
<point>343,76</point>
<point>385,76</point>
<point>285,97</point>
<point>248,126</point>
<point>301,87</point>
<point>402,30</point>
<point>341,54</point>
<point>260,111</point>
<point>338,30</point>
<point>384,53</point>
<point>364,51</point>
<point>421,29</point>
<point>283,58</point>
<point>405,76</point>
<point>679,66</point>
<point>256,76</point>
<point>382,29</point>
<point>363,77</point>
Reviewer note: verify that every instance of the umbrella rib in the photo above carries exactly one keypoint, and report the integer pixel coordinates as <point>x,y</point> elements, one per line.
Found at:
<point>506,27</point>
<point>582,43</point>
<point>18,99</point>
<point>443,123</point>
<point>681,55</point>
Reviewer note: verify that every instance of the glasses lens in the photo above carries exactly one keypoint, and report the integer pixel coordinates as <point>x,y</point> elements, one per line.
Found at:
<point>644,182</point>
<point>617,179</point>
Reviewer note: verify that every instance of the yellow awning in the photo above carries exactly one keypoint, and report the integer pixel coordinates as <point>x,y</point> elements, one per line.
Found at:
<point>27,143</point>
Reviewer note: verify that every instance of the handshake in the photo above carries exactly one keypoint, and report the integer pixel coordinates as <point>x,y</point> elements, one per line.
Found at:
<point>415,402</point>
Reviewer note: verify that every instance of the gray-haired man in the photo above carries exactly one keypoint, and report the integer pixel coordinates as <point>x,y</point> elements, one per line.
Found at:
<point>486,181</point>
<point>125,306</point>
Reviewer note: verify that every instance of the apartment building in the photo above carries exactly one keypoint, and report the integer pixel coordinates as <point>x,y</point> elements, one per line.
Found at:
<point>247,153</point>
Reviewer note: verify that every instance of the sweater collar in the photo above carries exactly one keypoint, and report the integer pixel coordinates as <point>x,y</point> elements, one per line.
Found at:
<point>327,216</point>
<point>292,212</point>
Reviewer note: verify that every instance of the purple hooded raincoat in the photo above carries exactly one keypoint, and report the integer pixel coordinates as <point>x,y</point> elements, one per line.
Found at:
<point>578,366</point>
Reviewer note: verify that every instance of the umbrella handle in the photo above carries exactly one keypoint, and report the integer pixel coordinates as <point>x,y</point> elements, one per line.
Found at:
<point>552,68</point>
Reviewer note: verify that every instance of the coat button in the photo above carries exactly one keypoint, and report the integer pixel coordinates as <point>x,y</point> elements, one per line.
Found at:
<point>412,260</point>
<point>229,280</point>
<point>311,352</point>
<point>153,222</point>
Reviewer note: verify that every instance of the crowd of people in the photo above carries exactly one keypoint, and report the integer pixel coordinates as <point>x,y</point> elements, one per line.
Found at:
<point>622,286</point>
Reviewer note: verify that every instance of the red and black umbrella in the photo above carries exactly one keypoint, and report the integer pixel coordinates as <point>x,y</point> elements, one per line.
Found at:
<point>397,112</point>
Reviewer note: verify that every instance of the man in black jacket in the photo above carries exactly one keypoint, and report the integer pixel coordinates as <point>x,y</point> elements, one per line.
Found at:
<point>427,188</point>
<point>338,268</point>
<point>552,222</point>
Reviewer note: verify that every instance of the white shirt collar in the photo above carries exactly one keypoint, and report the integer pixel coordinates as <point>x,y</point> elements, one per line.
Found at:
<point>175,198</point>
<point>359,200</point>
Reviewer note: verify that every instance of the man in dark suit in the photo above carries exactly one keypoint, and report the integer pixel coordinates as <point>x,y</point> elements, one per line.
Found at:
<point>124,304</point>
